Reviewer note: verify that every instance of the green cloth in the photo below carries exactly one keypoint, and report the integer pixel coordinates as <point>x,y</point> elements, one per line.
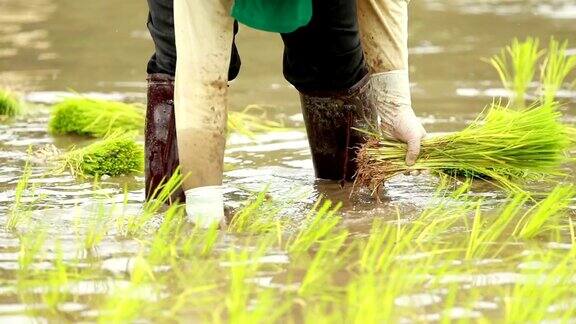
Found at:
<point>280,16</point>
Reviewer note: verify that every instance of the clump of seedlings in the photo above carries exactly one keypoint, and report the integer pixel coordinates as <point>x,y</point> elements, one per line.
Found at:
<point>116,154</point>
<point>502,146</point>
<point>93,117</point>
<point>9,104</point>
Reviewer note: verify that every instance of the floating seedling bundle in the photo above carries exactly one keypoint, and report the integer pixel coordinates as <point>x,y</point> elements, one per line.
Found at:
<point>116,154</point>
<point>501,145</point>
<point>96,118</point>
<point>9,105</point>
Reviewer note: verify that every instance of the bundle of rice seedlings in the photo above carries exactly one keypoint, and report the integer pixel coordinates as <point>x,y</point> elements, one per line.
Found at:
<point>116,154</point>
<point>96,118</point>
<point>9,104</point>
<point>502,146</point>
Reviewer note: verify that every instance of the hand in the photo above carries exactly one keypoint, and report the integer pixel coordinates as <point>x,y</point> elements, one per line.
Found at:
<point>391,91</point>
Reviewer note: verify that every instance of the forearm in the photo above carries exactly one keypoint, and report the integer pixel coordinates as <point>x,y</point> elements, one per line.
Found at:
<point>204,32</point>
<point>384,32</point>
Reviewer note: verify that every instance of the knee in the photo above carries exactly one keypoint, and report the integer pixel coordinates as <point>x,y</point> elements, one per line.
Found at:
<point>325,70</point>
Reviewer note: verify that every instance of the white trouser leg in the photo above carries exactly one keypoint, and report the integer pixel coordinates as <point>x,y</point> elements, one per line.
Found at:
<point>204,32</point>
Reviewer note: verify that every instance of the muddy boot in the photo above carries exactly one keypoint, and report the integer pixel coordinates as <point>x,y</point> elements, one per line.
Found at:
<point>161,157</point>
<point>330,118</point>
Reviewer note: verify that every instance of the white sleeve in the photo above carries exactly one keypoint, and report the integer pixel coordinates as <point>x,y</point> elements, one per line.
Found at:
<point>204,32</point>
<point>384,31</point>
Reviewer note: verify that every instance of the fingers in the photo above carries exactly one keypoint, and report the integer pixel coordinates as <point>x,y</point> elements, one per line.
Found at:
<point>413,150</point>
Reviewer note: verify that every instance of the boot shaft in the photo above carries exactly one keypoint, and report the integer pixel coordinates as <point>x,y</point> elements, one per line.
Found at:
<point>161,147</point>
<point>331,120</point>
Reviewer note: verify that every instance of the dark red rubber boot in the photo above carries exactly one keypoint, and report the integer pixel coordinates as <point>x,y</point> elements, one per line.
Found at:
<point>330,119</point>
<point>161,157</point>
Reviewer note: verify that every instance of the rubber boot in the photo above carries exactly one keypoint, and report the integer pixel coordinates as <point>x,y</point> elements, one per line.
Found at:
<point>161,157</point>
<point>330,119</point>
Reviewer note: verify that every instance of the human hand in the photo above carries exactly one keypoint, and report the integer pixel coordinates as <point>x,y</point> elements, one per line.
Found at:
<point>391,91</point>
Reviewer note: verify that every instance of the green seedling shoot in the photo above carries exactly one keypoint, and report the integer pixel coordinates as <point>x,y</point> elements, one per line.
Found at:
<point>19,212</point>
<point>556,68</point>
<point>516,67</point>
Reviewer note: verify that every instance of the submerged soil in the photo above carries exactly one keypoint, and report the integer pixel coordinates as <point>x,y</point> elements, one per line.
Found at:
<point>48,47</point>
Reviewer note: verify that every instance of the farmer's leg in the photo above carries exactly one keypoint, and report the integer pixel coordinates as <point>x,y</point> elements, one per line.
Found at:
<point>204,34</point>
<point>160,137</point>
<point>325,62</point>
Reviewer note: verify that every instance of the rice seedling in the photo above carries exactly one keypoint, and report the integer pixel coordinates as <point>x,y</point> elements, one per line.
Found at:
<point>116,154</point>
<point>257,217</point>
<point>122,306</point>
<point>95,118</point>
<point>485,232</point>
<point>30,246</point>
<point>516,67</point>
<point>56,280</point>
<point>9,104</point>
<point>551,208</point>
<point>165,241</point>
<point>130,226</point>
<point>320,222</point>
<point>370,298</point>
<point>438,217</point>
<point>536,296</point>
<point>501,146</point>
<point>95,229</point>
<point>378,251</point>
<point>19,212</point>
<point>200,242</point>
<point>243,266</point>
<point>555,69</point>
<point>126,304</point>
<point>330,256</point>
<point>321,312</point>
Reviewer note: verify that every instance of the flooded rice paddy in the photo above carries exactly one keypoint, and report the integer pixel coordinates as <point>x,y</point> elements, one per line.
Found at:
<point>419,255</point>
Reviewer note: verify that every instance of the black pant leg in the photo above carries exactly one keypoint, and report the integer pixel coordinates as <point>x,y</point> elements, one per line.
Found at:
<point>325,55</point>
<point>161,27</point>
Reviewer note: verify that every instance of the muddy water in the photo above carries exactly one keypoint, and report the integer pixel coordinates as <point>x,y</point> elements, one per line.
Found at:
<point>50,47</point>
